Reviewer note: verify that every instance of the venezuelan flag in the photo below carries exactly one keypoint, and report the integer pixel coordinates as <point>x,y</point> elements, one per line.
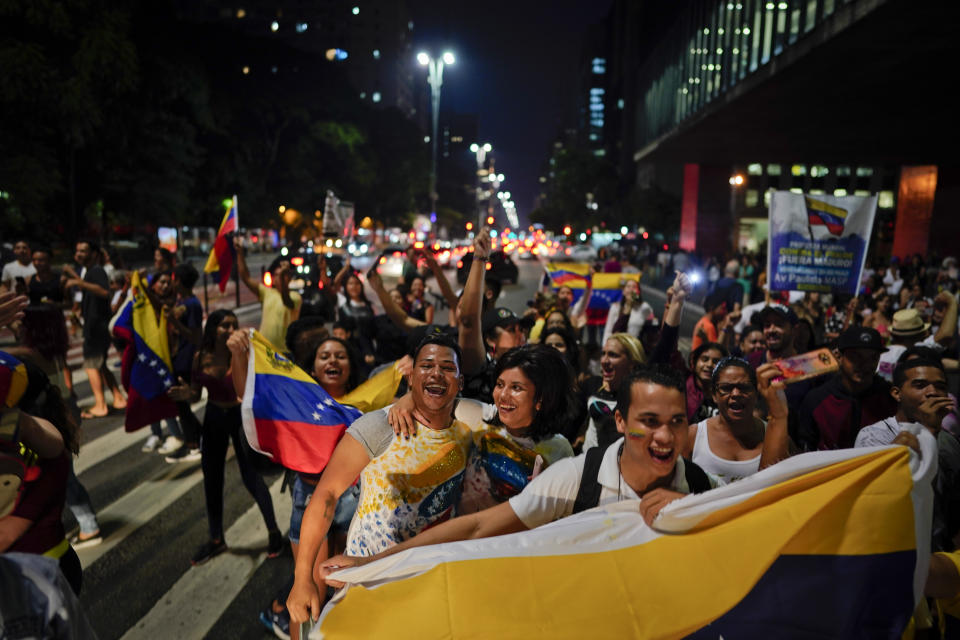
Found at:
<point>823,545</point>
<point>375,393</point>
<point>823,214</point>
<point>286,414</point>
<point>146,370</point>
<point>223,253</point>
<point>13,380</point>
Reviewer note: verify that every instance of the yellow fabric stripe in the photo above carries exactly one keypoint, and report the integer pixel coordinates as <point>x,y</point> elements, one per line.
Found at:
<point>698,576</point>
<point>57,552</point>
<point>18,384</point>
<point>376,392</point>
<point>819,205</point>
<point>212,263</point>
<point>613,280</point>
<point>267,361</point>
<point>146,324</point>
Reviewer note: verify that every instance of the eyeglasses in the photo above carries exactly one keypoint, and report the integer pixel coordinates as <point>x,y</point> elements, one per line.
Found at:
<point>726,389</point>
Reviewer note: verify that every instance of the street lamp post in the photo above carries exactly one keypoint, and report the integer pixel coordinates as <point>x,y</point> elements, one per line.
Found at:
<point>435,80</point>
<point>481,151</point>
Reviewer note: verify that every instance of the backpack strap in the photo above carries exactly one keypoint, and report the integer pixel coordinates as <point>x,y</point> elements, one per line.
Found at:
<point>588,496</point>
<point>696,477</point>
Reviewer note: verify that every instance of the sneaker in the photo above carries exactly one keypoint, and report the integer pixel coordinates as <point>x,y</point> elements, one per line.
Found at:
<point>82,543</point>
<point>275,546</point>
<point>279,623</point>
<point>185,453</point>
<point>207,551</point>
<point>171,444</point>
<point>151,444</point>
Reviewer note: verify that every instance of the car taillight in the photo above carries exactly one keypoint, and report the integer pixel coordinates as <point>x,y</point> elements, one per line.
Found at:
<point>489,266</point>
<point>459,264</point>
<point>383,260</point>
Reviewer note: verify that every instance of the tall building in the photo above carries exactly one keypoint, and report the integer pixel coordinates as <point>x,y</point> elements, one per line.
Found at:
<point>369,39</point>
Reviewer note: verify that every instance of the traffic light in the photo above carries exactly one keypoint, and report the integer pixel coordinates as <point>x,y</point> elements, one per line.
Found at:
<point>469,226</point>
<point>489,219</point>
<point>567,230</point>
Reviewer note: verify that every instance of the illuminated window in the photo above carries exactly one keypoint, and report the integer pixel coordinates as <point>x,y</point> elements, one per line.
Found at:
<point>796,190</point>
<point>766,197</point>
<point>843,170</point>
<point>620,103</point>
<point>798,170</point>
<point>885,200</point>
<point>864,172</point>
<point>376,96</point>
<point>376,54</point>
<point>861,192</point>
<point>241,13</point>
<point>840,192</point>
<point>817,192</point>
<point>301,27</point>
<point>751,198</point>
<point>755,169</point>
<point>773,169</point>
<point>818,171</point>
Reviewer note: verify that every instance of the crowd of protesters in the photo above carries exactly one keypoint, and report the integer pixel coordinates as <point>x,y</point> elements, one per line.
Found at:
<point>586,409</point>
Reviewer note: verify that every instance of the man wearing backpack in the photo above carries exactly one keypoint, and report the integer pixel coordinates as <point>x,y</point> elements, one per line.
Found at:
<point>645,464</point>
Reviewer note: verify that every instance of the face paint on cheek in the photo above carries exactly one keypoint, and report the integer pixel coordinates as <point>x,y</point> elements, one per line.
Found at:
<point>637,433</point>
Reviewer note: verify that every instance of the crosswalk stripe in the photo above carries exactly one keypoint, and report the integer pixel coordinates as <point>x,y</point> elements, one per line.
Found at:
<point>195,602</point>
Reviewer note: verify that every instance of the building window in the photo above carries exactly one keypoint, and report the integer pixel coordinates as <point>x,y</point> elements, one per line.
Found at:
<point>864,172</point>
<point>755,169</point>
<point>766,197</point>
<point>840,192</point>
<point>752,198</point>
<point>843,170</point>
<point>376,54</point>
<point>817,192</point>
<point>376,96</point>
<point>599,66</point>
<point>773,169</point>
<point>620,103</point>
<point>798,170</point>
<point>885,200</point>
<point>796,190</point>
<point>818,171</point>
<point>861,192</point>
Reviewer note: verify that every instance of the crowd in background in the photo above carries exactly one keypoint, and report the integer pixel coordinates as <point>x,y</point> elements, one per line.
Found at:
<point>509,403</point>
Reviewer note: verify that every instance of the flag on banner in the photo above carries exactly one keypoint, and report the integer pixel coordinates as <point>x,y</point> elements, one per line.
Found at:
<point>831,544</point>
<point>287,415</point>
<point>818,242</point>
<point>223,254</point>
<point>13,380</point>
<point>146,369</point>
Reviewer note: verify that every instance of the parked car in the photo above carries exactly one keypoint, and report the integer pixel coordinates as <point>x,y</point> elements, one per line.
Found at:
<point>500,266</point>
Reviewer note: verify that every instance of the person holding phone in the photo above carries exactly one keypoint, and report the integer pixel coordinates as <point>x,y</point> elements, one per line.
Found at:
<point>21,268</point>
<point>832,414</point>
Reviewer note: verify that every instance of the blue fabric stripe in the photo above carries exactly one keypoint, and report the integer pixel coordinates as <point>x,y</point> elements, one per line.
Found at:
<point>278,397</point>
<point>149,375</point>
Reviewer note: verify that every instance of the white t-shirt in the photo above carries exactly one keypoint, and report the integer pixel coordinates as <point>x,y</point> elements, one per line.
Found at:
<point>726,470</point>
<point>14,270</point>
<point>550,496</point>
<point>879,433</point>
<point>746,315</point>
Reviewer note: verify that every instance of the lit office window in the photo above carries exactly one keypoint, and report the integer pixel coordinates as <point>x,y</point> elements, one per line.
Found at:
<point>817,192</point>
<point>885,200</point>
<point>766,197</point>
<point>376,96</point>
<point>376,54</point>
<point>840,192</point>
<point>818,171</point>
<point>798,170</point>
<point>843,170</point>
<point>751,198</point>
<point>301,27</point>
<point>811,17</point>
<point>861,192</point>
<point>773,169</point>
<point>755,169</point>
<point>796,190</point>
<point>864,172</point>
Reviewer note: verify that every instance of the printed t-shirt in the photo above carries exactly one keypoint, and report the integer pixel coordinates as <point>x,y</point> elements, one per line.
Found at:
<point>42,503</point>
<point>275,317</point>
<point>408,485</point>
<point>704,331</point>
<point>500,463</point>
<point>14,270</point>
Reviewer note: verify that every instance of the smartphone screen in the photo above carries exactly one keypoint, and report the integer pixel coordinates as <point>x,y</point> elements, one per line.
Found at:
<point>807,365</point>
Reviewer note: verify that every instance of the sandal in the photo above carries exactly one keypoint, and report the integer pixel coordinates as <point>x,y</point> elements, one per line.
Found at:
<point>88,415</point>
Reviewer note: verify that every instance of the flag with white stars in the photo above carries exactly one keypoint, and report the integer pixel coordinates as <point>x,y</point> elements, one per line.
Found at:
<point>147,371</point>
<point>287,415</point>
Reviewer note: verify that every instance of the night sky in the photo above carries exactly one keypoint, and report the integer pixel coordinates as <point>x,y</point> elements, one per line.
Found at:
<point>517,68</point>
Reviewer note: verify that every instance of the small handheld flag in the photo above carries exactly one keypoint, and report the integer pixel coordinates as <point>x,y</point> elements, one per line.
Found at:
<point>223,254</point>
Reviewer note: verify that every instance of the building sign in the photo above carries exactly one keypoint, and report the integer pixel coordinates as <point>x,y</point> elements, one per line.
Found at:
<point>818,243</point>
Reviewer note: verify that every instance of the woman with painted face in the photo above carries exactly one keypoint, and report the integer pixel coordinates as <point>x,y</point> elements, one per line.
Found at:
<point>729,444</point>
<point>629,314</point>
<point>621,353</point>
<point>221,424</point>
<point>532,403</point>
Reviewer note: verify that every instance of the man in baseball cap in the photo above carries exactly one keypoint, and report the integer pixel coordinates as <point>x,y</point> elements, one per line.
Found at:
<point>832,414</point>
<point>503,330</point>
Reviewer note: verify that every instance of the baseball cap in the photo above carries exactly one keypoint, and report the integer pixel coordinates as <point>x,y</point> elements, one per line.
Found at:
<point>860,338</point>
<point>781,311</point>
<point>503,317</point>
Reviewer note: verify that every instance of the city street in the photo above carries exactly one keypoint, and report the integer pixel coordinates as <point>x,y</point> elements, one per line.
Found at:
<point>153,519</point>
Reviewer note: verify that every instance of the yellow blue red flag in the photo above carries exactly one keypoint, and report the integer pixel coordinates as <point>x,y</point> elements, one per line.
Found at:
<point>223,253</point>
<point>146,370</point>
<point>13,380</point>
<point>287,415</point>
<point>831,544</point>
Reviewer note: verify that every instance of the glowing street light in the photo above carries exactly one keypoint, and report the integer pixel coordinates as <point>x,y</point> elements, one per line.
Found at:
<point>736,180</point>
<point>435,80</point>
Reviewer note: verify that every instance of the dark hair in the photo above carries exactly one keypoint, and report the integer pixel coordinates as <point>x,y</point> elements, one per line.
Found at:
<point>159,274</point>
<point>43,400</point>
<point>920,351</point>
<point>94,246</point>
<point>568,327</point>
<point>573,347</point>
<point>441,340</point>
<point>39,249</point>
<point>166,254</point>
<point>900,371</point>
<point>346,323</point>
<point>714,300</point>
<point>659,374</point>
<point>298,326</point>
<point>706,346</point>
<point>750,328</point>
<point>732,361</point>
<point>552,379</point>
<point>186,275</point>
<point>354,378</point>
<point>363,293</point>
<point>209,340</point>
<point>495,285</point>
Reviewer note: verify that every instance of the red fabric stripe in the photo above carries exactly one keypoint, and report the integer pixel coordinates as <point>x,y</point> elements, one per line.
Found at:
<point>141,412</point>
<point>300,446</point>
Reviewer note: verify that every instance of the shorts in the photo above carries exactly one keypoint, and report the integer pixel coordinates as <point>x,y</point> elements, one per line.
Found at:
<point>95,360</point>
<point>95,348</point>
<point>302,491</point>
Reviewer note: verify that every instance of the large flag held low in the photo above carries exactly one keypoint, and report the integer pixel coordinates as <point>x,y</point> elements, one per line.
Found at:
<point>223,253</point>
<point>818,242</point>
<point>287,415</point>
<point>146,370</point>
<point>831,544</point>
<point>607,287</point>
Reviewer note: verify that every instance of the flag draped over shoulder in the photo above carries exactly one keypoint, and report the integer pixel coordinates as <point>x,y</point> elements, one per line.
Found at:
<point>829,544</point>
<point>223,253</point>
<point>376,392</point>
<point>146,372</point>
<point>13,380</point>
<point>287,415</point>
